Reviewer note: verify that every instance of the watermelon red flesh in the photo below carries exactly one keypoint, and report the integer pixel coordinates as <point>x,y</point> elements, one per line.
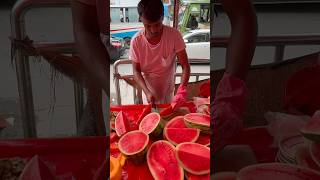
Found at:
<point>176,122</point>
<point>303,158</point>
<point>122,124</point>
<point>149,122</point>
<point>145,112</point>
<point>312,129</point>
<point>133,142</point>
<point>277,171</point>
<point>197,120</point>
<point>315,153</point>
<point>162,161</point>
<point>204,139</point>
<point>180,135</point>
<point>167,111</point>
<point>194,158</point>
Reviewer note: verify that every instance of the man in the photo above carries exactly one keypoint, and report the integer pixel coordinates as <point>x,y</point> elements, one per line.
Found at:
<point>231,92</point>
<point>153,51</point>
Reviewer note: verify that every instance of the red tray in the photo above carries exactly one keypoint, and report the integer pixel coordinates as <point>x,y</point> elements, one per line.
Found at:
<point>66,155</point>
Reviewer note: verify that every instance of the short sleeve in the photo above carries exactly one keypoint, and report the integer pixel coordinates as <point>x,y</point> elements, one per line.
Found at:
<point>133,52</point>
<point>179,42</point>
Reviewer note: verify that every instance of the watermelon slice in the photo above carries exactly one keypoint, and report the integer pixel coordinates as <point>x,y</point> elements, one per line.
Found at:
<point>315,153</point>
<point>176,122</point>
<point>152,124</point>
<point>180,135</point>
<point>162,161</point>
<point>122,124</point>
<point>194,158</point>
<point>303,158</point>
<point>277,171</point>
<point>166,112</point>
<point>225,176</point>
<point>312,129</point>
<point>197,177</point>
<point>204,139</point>
<point>134,145</point>
<point>145,112</point>
<point>198,120</point>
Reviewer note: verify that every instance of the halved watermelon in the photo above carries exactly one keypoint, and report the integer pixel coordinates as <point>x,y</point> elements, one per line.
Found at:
<point>194,158</point>
<point>176,122</point>
<point>162,161</point>
<point>312,129</point>
<point>152,124</point>
<point>315,153</point>
<point>145,112</point>
<point>134,145</point>
<point>180,135</point>
<point>198,120</point>
<point>277,171</point>
<point>122,124</point>
<point>303,158</point>
<point>204,139</point>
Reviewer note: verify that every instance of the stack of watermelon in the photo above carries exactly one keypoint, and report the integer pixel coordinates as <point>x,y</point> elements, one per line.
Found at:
<point>172,149</point>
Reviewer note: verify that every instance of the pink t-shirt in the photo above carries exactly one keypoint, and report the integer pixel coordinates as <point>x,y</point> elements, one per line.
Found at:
<point>157,62</point>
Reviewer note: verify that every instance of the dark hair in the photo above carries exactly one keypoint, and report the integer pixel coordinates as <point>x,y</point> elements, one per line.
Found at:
<point>151,10</point>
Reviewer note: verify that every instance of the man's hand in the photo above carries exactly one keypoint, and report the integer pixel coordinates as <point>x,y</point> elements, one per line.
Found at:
<point>180,98</point>
<point>150,97</point>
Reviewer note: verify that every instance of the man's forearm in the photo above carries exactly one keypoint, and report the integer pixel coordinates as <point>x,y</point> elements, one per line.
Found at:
<point>185,75</point>
<point>140,81</point>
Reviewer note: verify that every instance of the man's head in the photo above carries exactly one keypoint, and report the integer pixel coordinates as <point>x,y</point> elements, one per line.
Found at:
<point>151,15</point>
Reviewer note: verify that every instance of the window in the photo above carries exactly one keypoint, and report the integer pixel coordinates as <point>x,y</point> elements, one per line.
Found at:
<point>198,38</point>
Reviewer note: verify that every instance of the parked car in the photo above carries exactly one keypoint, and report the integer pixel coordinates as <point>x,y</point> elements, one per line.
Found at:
<point>116,48</point>
<point>198,45</point>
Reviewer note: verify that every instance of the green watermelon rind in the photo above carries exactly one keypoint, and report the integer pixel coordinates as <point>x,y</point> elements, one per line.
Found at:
<point>151,170</point>
<point>174,143</point>
<point>276,165</point>
<point>183,165</point>
<point>157,130</point>
<point>205,128</point>
<point>138,156</point>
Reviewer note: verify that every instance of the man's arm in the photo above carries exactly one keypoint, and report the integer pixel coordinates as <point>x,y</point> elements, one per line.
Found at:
<point>139,79</point>
<point>242,42</point>
<point>183,60</point>
<point>89,45</point>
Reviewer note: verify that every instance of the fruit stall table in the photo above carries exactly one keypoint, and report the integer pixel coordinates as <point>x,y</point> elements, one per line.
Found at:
<point>257,138</point>
<point>67,158</point>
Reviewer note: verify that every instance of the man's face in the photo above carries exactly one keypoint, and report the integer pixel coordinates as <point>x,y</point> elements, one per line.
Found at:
<point>153,29</point>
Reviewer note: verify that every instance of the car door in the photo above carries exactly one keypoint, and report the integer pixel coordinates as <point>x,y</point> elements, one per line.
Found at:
<point>198,47</point>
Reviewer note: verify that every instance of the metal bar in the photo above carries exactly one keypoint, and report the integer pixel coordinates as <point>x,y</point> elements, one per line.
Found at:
<point>78,96</point>
<point>176,13</point>
<point>279,53</point>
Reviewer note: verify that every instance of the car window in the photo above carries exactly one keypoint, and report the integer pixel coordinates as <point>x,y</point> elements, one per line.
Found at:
<point>197,38</point>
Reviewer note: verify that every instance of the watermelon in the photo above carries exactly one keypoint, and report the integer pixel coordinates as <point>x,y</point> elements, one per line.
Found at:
<point>134,146</point>
<point>145,112</point>
<point>303,158</point>
<point>277,171</point>
<point>204,139</point>
<point>315,153</point>
<point>225,176</point>
<point>122,124</point>
<point>176,122</point>
<point>162,161</point>
<point>312,129</point>
<point>152,124</point>
<point>198,120</point>
<point>166,111</point>
<point>203,109</point>
<point>197,177</point>
<point>180,135</point>
<point>194,158</point>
